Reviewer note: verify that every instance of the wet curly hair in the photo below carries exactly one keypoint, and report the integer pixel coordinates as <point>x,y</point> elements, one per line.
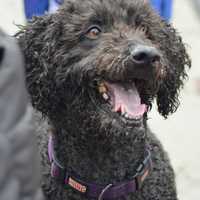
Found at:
<point>52,47</point>
<point>77,53</point>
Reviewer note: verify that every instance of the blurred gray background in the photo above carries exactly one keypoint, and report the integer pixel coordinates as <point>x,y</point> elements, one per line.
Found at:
<point>180,133</point>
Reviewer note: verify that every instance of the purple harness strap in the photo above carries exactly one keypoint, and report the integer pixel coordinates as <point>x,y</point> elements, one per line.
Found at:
<point>100,192</point>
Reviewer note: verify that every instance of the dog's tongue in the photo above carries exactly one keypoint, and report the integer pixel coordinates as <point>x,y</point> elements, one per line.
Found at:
<point>127,100</point>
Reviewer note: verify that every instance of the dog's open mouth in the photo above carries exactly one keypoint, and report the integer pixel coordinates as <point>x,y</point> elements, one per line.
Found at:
<point>123,99</point>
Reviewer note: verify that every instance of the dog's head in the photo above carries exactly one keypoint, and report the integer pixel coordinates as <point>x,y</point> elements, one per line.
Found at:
<point>101,62</point>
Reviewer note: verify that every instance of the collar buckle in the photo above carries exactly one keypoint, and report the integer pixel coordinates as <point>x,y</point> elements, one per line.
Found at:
<point>104,191</point>
<point>96,191</point>
<point>143,170</point>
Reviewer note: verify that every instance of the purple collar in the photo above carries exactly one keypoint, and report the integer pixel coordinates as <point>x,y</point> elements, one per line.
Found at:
<point>100,192</point>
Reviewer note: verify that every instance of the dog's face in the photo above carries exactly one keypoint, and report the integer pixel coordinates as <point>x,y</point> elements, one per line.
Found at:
<point>117,63</point>
<point>104,62</point>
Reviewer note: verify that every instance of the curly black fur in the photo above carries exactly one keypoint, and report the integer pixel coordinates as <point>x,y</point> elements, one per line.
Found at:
<point>64,68</point>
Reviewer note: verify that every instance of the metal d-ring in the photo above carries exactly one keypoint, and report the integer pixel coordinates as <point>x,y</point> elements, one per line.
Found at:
<point>103,192</point>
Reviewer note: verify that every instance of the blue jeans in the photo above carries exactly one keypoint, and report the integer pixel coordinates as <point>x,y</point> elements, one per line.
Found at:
<point>35,7</point>
<point>39,7</point>
<point>164,8</point>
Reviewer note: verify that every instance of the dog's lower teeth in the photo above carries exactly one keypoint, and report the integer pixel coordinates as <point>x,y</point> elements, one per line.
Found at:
<point>127,116</point>
<point>102,88</point>
<point>137,118</point>
<point>123,113</point>
<point>105,96</point>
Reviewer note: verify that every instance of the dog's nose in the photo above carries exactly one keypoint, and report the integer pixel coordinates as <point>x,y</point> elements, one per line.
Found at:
<point>142,54</point>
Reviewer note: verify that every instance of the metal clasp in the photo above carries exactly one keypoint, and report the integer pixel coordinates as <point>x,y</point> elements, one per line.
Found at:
<point>103,191</point>
<point>143,170</point>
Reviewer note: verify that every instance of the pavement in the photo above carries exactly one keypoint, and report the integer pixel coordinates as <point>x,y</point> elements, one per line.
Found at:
<point>197,6</point>
<point>180,133</point>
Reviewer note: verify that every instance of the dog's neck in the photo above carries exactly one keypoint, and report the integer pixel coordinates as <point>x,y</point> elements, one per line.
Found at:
<point>99,159</point>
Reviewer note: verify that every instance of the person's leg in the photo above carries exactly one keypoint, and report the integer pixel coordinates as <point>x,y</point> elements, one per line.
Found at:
<point>54,5</point>
<point>35,7</point>
<point>156,4</point>
<point>166,12</point>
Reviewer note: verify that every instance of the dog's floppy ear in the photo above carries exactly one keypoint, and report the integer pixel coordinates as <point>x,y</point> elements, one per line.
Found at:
<point>45,42</point>
<point>177,63</point>
<point>39,40</point>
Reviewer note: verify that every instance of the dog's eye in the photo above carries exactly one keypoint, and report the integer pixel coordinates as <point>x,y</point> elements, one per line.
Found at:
<point>93,32</point>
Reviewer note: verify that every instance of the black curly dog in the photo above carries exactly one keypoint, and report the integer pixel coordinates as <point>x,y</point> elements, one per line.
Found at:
<point>94,69</point>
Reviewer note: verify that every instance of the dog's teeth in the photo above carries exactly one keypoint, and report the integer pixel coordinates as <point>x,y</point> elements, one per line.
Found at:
<point>102,88</point>
<point>126,115</point>
<point>105,96</point>
<point>123,113</point>
<point>138,117</point>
